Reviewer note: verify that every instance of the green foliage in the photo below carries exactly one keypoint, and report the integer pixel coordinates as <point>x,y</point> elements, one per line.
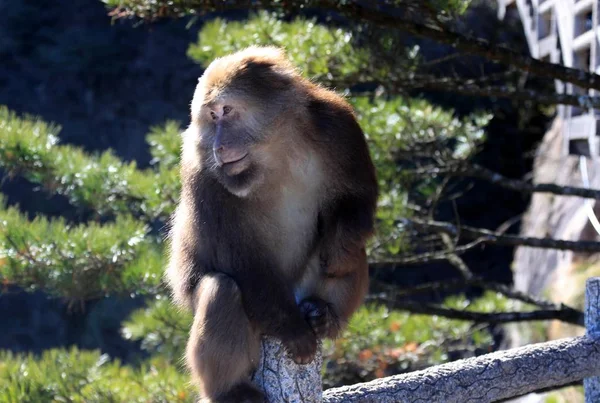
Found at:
<point>489,302</point>
<point>381,342</point>
<point>400,126</point>
<point>165,144</point>
<point>329,55</point>
<point>376,326</point>
<point>450,7</point>
<point>161,327</point>
<point>101,183</point>
<point>76,377</point>
<point>78,262</point>
<point>320,52</point>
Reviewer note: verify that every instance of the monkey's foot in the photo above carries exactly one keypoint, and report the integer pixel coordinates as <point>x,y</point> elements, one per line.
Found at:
<point>319,316</point>
<point>301,344</point>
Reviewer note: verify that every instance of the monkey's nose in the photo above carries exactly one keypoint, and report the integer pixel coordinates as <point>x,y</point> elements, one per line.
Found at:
<point>226,155</point>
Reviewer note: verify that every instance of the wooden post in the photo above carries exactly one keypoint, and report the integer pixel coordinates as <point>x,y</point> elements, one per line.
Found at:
<point>592,326</point>
<point>282,380</point>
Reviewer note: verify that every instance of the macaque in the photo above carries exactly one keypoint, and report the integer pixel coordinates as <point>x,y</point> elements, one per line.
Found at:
<point>277,202</point>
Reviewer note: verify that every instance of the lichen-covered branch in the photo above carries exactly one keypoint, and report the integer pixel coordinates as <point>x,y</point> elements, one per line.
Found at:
<point>488,378</point>
<point>591,385</point>
<point>282,380</point>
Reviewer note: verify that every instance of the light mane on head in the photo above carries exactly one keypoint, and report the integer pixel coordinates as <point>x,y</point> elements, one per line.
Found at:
<point>223,70</point>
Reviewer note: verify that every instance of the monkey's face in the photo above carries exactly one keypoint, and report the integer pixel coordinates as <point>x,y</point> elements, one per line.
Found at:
<point>238,108</point>
<point>233,134</point>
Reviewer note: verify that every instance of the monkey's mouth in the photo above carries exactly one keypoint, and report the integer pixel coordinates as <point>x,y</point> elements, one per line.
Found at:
<point>237,166</point>
<point>235,159</point>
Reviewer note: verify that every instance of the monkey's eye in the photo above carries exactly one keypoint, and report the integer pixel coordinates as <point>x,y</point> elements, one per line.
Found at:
<point>226,109</point>
<point>213,115</point>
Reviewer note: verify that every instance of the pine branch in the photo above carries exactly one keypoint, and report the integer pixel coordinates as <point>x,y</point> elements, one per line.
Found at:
<point>102,184</point>
<point>79,262</point>
<point>476,87</point>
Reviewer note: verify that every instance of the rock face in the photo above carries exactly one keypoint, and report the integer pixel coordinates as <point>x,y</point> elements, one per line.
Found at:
<point>556,275</point>
<point>558,217</point>
<point>550,273</point>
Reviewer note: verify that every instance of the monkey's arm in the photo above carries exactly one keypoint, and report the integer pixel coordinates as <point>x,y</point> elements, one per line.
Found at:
<point>345,226</point>
<point>347,218</point>
<point>344,281</point>
<point>336,299</point>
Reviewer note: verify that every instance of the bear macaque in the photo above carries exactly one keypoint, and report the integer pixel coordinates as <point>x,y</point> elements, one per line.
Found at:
<point>277,202</point>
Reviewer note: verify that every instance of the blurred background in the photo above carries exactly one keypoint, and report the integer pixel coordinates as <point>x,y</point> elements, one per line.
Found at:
<point>480,119</point>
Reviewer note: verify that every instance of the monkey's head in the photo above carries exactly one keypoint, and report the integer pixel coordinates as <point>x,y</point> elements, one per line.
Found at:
<point>239,109</point>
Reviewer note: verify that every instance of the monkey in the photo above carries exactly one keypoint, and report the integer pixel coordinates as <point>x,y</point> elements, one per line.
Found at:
<point>277,202</point>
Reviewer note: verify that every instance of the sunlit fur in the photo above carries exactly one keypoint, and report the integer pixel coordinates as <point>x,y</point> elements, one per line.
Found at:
<point>272,244</point>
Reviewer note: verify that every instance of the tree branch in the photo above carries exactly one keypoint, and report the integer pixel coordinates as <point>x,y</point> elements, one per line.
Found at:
<point>474,88</point>
<point>487,378</point>
<point>454,259</point>
<point>386,17</point>
<point>466,44</point>
<point>456,284</point>
<point>582,101</point>
<point>426,257</point>
<point>477,171</point>
<point>567,315</point>
<point>491,237</point>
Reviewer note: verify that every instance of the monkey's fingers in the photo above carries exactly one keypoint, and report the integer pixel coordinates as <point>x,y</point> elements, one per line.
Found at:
<point>319,316</point>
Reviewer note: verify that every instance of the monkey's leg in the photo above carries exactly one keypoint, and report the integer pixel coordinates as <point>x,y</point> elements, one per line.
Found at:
<point>222,349</point>
<point>335,300</point>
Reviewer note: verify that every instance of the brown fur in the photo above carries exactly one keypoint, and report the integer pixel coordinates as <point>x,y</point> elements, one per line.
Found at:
<point>272,244</point>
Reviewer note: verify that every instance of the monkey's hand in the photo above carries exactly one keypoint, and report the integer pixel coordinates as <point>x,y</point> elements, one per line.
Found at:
<point>319,316</point>
<point>301,344</point>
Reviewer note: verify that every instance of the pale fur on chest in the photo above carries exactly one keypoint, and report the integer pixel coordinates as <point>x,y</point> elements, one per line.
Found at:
<point>298,210</point>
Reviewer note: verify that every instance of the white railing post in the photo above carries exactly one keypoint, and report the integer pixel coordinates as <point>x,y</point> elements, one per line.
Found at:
<point>592,326</point>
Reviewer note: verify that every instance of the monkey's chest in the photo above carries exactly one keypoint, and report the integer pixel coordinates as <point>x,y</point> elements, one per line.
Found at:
<point>297,222</point>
